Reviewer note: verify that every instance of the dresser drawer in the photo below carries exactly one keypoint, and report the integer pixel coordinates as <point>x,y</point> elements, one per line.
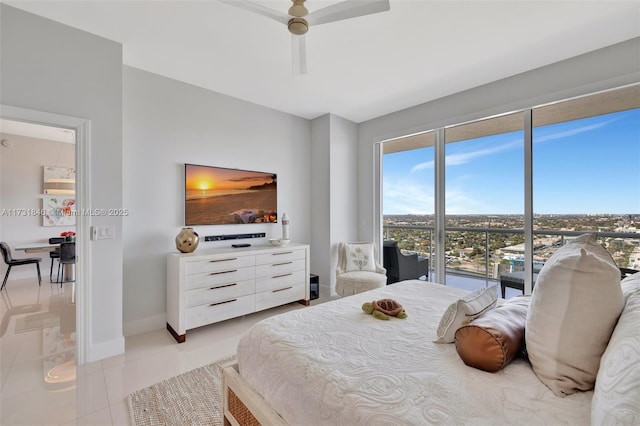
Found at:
<point>219,292</point>
<point>280,296</point>
<point>219,263</point>
<point>277,281</point>
<point>218,284</point>
<point>206,314</point>
<point>280,268</point>
<point>283,255</point>
<point>227,276</point>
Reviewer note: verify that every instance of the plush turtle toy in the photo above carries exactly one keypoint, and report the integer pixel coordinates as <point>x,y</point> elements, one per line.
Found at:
<point>384,309</point>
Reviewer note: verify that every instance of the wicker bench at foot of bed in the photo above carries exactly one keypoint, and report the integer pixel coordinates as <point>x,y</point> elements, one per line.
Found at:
<point>239,411</point>
<point>242,406</point>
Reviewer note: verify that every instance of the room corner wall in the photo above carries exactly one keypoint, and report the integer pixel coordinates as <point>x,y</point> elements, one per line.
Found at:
<point>50,67</point>
<point>335,189</point>
<point>320,214</point>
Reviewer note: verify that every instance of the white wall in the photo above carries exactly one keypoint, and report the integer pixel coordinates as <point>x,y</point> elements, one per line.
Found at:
<point>343,159</point>
<point>21,180</point>
<point>50,67</point>
<point>321,201</point>
<point>168,123</point>
<point>334,185</point>
<point>606,68</point>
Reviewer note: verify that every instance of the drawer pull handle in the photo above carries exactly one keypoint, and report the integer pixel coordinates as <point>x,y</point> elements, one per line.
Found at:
<point>283,263</point>
<point>224,272</point>
<point>282,252</point>
<point>281,275</point>
<point>222,303</point>
<point>223,260</point>
<point>223,286</point>
<point>282,289</point>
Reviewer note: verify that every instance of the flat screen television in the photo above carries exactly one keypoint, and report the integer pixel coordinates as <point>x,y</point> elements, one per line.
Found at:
<point>220,196</point>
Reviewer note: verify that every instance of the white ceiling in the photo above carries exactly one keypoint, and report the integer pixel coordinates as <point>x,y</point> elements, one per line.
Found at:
<point>359,68</point>
<point>38,131</point>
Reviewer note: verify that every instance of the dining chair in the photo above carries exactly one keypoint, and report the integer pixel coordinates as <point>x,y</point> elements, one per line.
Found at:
<point>67,257</point>
<point>54,254</point>
<point>11,262</point>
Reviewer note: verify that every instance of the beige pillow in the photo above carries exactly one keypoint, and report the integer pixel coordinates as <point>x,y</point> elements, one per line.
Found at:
<point>360,257</point>
<point>464,310</point>
<point>574,308</point>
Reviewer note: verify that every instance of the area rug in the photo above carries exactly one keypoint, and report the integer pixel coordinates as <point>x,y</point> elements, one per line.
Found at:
<point>192,398</point>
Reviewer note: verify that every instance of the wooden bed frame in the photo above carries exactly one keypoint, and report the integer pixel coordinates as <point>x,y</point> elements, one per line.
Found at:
<point>242,406</point>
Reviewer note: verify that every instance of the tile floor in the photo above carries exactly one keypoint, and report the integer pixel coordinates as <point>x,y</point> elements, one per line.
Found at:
<point>32,345</point>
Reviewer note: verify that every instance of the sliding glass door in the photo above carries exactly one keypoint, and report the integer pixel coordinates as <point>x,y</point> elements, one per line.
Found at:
<point>586,173</point>
<point>408,194</point>
<point>484,200</point>
<point>504,193</point>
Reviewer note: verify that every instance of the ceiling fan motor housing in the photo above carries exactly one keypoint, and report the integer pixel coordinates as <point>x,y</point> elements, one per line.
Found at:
<point>298,10</point>
<point>298,26</point>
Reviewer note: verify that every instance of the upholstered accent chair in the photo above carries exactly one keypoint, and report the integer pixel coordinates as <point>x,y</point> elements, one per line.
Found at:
<point>358,269</point>
<point>401,266</point>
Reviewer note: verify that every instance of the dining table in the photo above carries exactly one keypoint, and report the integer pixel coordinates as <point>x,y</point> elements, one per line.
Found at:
<point>36,247</point>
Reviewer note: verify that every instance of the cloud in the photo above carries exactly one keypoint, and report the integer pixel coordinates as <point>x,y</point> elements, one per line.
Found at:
<point>422,166</point>
<point>407,197</point>
<point>572,131</point>
<point>465,157</point>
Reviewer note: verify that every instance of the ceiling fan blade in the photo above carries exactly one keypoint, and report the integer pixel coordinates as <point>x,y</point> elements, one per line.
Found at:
<point>298,54</point>
<point>255,7</point>
<point>347,9</point>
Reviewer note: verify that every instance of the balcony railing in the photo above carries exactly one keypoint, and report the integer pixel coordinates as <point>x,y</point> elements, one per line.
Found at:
<point>488,256</point>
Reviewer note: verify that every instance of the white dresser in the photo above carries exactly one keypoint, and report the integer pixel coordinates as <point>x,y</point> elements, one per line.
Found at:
<point>213,285</point>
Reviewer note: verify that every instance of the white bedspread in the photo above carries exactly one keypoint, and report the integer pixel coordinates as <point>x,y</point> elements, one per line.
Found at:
<point>333,364</point>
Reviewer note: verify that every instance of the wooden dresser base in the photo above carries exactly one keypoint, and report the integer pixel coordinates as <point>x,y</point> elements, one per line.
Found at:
<point>179,338</point>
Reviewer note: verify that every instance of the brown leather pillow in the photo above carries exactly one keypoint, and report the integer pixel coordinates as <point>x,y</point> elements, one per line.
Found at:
<point>493,339</point>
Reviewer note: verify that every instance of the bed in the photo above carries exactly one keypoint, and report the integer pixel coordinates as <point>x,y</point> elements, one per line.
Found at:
<point>334,364</point>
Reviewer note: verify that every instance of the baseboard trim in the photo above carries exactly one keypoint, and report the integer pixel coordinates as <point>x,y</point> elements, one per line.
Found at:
<point>144,325</point>
<point>106,349</point>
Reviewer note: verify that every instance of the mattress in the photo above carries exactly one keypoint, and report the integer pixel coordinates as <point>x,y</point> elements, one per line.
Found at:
<point>333,364</point>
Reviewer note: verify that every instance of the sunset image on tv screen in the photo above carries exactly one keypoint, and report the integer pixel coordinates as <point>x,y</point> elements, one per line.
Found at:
<point>215,195</point>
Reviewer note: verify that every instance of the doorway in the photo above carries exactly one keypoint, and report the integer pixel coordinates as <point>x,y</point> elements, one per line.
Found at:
<point>82,130</point>
<point>38,307</point>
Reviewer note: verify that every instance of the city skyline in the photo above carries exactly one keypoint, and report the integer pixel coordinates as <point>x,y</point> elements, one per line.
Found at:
<point>571,174</point>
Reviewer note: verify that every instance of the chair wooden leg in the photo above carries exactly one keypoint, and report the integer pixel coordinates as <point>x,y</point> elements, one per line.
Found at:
<point>58,279</point>
<point>51,271</point>
<point>39,276</point>
<point>6,276</point>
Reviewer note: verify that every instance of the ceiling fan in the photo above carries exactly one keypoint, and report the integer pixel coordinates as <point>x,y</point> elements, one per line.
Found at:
<point>298,20</point>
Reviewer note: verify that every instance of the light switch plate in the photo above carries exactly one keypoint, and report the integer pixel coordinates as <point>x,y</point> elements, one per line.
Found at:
<point>102,232</point>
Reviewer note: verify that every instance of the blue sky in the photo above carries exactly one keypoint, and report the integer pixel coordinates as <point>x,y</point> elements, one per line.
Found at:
<point>583,166</point>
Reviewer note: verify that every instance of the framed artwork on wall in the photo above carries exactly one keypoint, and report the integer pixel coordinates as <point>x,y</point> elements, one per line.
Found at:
<point>58,211</point>
<point>59,180</point>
